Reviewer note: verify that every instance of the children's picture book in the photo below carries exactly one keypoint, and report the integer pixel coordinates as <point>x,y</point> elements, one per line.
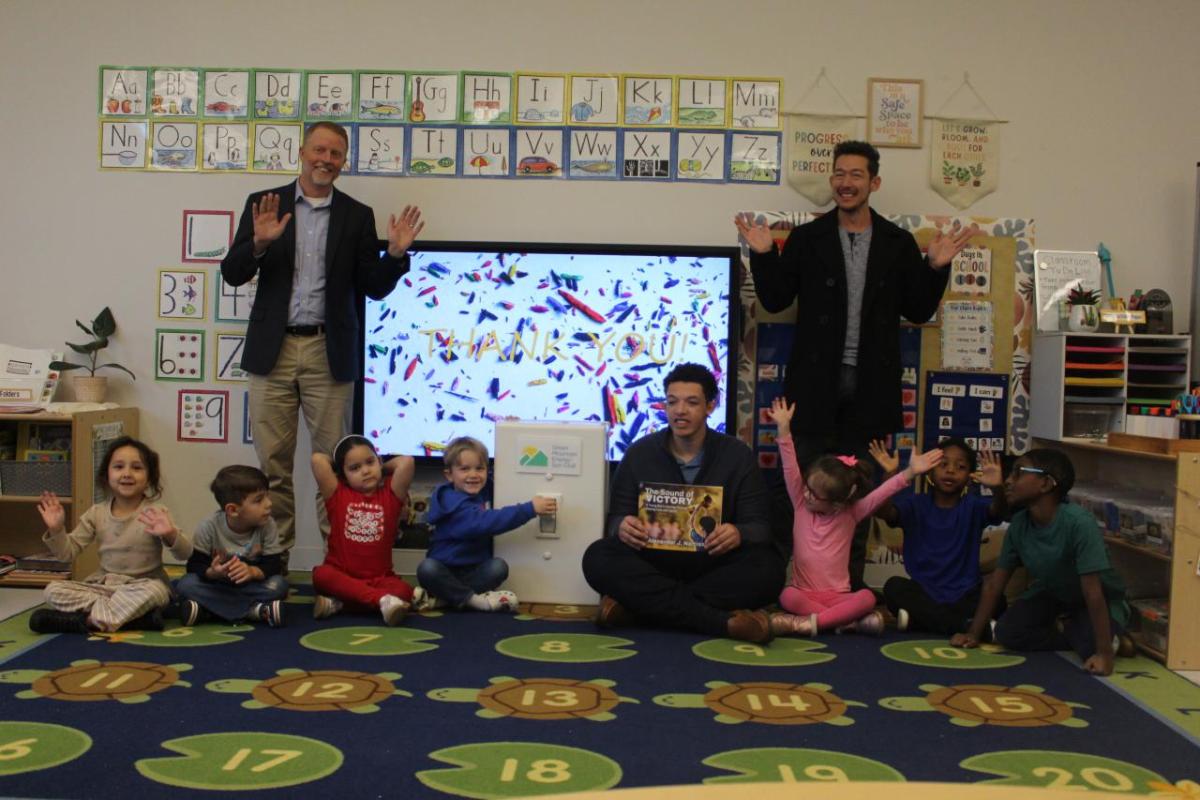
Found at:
<point>679,516</point>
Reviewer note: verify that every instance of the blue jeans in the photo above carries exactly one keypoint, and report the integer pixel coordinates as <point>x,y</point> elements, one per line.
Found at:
<point>455,585</point>
<point>231,602</point>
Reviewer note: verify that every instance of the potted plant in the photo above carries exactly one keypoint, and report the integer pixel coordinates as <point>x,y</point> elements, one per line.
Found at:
<point>1083,314</point>
<point>91,388</point>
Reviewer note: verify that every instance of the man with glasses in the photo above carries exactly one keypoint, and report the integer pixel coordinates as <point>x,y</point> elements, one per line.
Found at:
<point>714,590</point>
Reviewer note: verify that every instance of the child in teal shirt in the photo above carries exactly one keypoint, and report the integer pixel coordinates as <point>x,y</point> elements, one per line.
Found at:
<point>1075,599</point>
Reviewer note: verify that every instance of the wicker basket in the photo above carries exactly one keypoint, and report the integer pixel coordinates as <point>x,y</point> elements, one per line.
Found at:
<point>29,478</point>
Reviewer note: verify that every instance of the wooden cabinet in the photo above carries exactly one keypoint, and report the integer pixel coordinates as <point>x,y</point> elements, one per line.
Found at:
<point>1147,571</point>
<point>1090,384</point>
<point>21,525</point>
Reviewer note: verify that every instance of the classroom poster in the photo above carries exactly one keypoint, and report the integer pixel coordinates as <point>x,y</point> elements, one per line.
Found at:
<point>973,407</point>
<point>964,160</point>
<point>810,142</point>
<point>971,272</point>
<point>595,99</point>
<point>967,335</point>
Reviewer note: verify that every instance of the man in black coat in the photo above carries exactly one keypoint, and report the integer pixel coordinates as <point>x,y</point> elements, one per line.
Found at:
<point>315,252</point>
<point>741,568</point>
<point>854,275</point>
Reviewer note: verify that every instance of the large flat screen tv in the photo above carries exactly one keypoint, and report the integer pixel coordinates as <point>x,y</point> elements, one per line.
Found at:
<point>480,331</point>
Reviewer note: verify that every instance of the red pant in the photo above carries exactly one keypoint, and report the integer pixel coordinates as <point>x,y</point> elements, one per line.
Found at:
<point>359,594</point>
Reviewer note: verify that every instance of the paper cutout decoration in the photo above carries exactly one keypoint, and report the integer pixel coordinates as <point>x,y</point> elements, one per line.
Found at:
<point>207,235</point>
<point>181,294</point>
<point>234,302</point>
<point>178,355</point>
<point>230,345</point>
<point>123,91</point>
<point>594,100</point>
<point>123,145</point>
<point>202,416</point>
<point>226,93</point>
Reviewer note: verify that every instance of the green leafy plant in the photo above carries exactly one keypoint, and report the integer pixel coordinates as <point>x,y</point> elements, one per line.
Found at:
<point>1078,296</point>
<point>103,326</point>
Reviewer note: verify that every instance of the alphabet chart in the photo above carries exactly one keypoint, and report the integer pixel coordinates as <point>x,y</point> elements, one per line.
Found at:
<point>181,294</point>
<point>203,416</point>
<point>179,355</point>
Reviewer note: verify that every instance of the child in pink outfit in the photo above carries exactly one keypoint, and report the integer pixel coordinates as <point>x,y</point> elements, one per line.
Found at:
<point>828,504</point>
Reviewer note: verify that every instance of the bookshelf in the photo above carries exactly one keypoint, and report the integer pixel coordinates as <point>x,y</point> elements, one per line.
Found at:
<point>21,525</point>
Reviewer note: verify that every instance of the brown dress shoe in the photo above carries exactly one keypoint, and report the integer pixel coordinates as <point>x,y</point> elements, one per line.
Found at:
<point>613,615</point>
<point>750,626</point>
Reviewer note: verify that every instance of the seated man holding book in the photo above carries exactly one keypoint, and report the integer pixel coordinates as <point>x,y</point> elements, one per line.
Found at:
<point>713,577</point>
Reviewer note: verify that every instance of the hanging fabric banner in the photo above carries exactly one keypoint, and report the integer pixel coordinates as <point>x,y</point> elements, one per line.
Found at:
<point>811,139</point>
<point>964,159</point>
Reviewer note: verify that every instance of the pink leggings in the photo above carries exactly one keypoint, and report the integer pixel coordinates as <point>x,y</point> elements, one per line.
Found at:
<point>359,594</point>
<point>832,608</point>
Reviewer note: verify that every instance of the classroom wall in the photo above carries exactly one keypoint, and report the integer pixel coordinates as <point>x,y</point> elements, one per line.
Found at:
<point>1101,144</point>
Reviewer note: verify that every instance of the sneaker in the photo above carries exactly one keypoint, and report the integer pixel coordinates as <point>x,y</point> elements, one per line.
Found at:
<point>784,624</point>
<point>902,619</point>
<point>612,614</point>
<point>152,620</point>
<point>1123,645</point>
<point>324,606</point>
<point>424,601</point>
<point>871,624</point>
<point>501,600</point>
<point>750,626</point>
<point>48,620</point>
<point>192,613</point>
<point>270,613</point>
<point>393,609</point>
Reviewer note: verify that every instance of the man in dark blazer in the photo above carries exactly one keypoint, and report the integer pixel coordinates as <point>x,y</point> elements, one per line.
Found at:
<point>315,252</point>
<point>854,275</point>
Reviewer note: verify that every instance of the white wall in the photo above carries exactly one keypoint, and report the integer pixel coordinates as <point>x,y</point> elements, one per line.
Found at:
<point>1100,94</point>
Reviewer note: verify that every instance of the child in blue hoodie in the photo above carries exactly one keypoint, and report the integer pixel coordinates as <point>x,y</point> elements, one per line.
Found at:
<point>459,568</point>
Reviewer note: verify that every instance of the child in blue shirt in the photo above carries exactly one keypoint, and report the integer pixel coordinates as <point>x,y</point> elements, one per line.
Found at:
<point>942,529</point>
<point>1075,598</point>
<point>459,568</point>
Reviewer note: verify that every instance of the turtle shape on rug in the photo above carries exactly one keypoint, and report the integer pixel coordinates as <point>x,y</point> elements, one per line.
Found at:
<point>89,680</point>
<point>969,705</point>
<point>539,698</point>
<point>767,702</point>
<point>314,690</point>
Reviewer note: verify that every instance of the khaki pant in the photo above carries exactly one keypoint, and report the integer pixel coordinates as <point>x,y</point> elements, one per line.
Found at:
<point>300,381</point>
<point>111,601</point>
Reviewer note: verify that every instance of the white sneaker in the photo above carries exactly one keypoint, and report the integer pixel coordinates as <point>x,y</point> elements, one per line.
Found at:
<point>393,609</point>
<point>902,619</point>
<point>424,601</point>
<point>324,606</point>
<point>502,600</point>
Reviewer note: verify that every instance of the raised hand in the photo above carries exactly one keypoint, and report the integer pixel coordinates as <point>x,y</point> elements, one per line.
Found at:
<point>157,522</point>
<point>54,516</point>
<point>943,249</point>
<point>268,225</point>
<point>781,413</point>
<point>888,462</point>
<point>990,473</point>
<point>403,230</point>
<point>756,234</point>
<point>920,463</point>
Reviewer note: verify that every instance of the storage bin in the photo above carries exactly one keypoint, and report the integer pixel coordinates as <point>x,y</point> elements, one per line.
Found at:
<point>1091,420</point>
<point>29,478</point>
<point>1152,616</point>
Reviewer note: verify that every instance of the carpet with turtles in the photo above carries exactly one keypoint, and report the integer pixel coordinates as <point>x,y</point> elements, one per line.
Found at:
<point>541,702</point>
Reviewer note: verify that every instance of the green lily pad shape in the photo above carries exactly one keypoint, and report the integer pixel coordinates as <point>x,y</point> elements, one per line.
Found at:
<point>795,764</point>
<point>519,769</point>
<point>539,698</point>
<point>970,705</point>
<point>566,648</point>
<point>1057,769</point>
<point>768,703</point>
<point>781,653</point>
<point>242,761</point>
<point>178,636</point>
<point>940,653</point>
<point>30,746</point>
<point>89,680</point>
<point>314,690</point>
<point>370,641</point>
